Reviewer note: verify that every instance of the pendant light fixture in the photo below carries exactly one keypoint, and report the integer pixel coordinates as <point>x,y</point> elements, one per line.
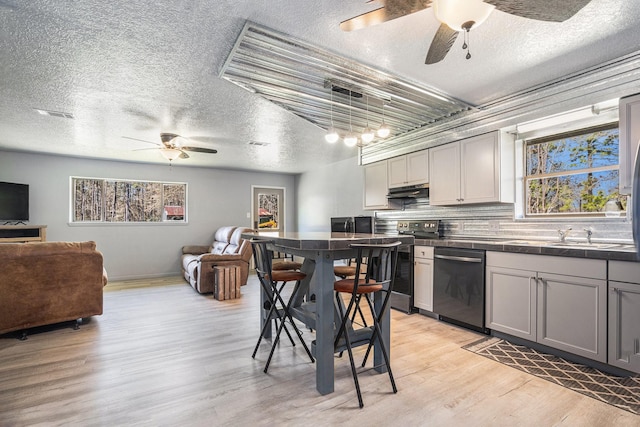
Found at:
<point>367,134</point>
<point>351,139</point>
<point>332,134</point>
<point>383,130</point>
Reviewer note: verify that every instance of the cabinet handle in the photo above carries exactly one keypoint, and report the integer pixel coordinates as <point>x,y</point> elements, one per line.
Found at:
<point>532,278</point>
<point>636,346</point>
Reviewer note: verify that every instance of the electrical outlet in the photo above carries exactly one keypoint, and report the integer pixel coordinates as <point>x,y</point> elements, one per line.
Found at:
<point>460,226</point>
<point>494,225</point>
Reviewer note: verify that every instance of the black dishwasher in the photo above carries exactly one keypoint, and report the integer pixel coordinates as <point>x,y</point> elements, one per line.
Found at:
<point>458,287</point>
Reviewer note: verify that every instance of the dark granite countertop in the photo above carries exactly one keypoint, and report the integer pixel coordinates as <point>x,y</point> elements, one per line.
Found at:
<point>325,241</point>
<point>608,251</point>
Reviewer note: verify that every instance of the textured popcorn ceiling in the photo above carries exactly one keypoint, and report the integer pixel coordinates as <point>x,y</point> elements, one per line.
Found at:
<point>139,68</point>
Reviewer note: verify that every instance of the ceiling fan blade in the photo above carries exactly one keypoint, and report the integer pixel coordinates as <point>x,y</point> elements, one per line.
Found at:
<point>441,43</point>
<point>141,140</point>
<point>183,155</point>
<point>200,150</point>
<point>540,10</point>
<point>392,9</point>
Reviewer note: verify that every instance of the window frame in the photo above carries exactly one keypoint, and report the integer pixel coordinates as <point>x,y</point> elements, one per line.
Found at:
<point>102,221</point>
<point>552,135</point>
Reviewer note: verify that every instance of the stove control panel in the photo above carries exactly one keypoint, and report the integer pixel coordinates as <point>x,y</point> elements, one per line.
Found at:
<point>419,228</point>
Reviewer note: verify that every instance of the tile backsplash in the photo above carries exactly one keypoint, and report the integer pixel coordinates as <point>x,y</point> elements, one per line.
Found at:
<point>497,221</point>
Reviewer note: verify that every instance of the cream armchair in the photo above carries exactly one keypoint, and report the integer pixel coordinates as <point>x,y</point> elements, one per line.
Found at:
<point>228,249</point>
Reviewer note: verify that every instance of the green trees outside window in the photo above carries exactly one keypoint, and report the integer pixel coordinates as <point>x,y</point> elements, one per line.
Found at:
<point>574,173</point>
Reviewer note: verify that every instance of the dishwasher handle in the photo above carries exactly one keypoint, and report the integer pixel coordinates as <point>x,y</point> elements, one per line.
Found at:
<point>458,258</point>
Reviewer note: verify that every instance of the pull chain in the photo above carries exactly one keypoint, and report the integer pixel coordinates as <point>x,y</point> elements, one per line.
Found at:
<point>467,28</point>
<point>466,43</point>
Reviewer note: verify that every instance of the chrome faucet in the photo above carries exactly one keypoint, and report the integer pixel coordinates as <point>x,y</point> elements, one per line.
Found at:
<point>564,233</point>
<point>589,232</point>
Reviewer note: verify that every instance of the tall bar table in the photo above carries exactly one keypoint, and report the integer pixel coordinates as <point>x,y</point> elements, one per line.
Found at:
<point>319,250</point>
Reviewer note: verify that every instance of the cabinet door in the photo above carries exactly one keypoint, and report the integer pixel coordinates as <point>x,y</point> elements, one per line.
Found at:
<point>418,168</point>
<point>397,171</point>
<point>480,169</point>
<point>423,278</point>
<point>629,136</point>
<point>511,302</point>
<point>375,186</point>
<point>624,325</point>
<point>444,174</point>
<point>572,315</point>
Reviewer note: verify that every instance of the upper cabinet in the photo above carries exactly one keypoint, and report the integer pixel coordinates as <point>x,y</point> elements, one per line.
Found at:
<point>473,170</point>
<point>410,169</point>
<point>629,136</point>
<point>376,186</point>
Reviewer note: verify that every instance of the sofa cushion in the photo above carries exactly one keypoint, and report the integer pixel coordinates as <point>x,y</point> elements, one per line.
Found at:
<point>222,239</point>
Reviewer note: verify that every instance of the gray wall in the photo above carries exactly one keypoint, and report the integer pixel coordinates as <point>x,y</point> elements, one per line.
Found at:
<point>216,197</point>
<point>325,192</point>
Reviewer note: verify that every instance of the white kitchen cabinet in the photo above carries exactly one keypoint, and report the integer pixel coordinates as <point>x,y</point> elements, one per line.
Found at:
<point>556,301</point>
<point>423,277</point>
<point>629,137</point>
<point>572,314</point>
<point>410,169</point>
<point>376,187</point>
<point>624,315</point>
<point>473,170</point>
<point>511,297</point>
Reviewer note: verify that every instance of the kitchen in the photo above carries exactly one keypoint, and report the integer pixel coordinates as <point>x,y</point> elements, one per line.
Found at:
<point>483,265</point>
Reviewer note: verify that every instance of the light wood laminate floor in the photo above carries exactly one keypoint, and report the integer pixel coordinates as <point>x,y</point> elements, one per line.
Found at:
<point>163,355</point>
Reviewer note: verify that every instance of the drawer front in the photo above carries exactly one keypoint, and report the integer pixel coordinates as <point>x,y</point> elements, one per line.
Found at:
<point>425,252</point>
<point>623,271</point>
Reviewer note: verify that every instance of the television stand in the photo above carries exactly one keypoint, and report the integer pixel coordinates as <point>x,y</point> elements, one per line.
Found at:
<point>23,233</point>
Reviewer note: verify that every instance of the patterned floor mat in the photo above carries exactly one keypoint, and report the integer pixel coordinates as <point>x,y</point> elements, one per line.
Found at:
<point>622,392</point>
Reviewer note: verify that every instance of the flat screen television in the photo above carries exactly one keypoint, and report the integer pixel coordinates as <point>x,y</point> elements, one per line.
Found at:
<point>14,202</point>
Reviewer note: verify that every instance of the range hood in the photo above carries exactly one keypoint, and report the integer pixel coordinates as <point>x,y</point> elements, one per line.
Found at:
<point>409,192</point>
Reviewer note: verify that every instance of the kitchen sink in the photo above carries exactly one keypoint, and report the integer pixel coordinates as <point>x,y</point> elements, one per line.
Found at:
<point>584,245</point>
<point>569,244</point>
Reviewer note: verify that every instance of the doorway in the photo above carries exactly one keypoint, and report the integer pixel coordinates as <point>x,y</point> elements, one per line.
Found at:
<point>267,209</point>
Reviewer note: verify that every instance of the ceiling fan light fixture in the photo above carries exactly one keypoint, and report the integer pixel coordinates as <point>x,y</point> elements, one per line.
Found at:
<point>170,153</point>
<point>457,14</point>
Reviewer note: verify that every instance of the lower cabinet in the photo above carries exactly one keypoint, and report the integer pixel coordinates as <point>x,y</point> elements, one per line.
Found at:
<point>624,315</point>
<point>556,301</point>
<point>511,301</point>
<point>423,277</point>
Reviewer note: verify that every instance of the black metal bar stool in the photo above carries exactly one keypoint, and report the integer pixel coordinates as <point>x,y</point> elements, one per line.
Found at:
<point>279,310</point>
<point>343,272</point>
<point>375,276</point>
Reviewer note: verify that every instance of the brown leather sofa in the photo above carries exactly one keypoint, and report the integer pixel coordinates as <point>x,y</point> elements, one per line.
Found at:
<point>49,282</point>
<point>227,249</point>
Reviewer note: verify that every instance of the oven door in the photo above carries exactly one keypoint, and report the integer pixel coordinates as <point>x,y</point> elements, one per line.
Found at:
<point>402,295</point>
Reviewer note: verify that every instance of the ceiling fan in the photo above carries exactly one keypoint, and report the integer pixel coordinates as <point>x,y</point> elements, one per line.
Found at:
<point>172,146</point>
<point>462,15</point>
